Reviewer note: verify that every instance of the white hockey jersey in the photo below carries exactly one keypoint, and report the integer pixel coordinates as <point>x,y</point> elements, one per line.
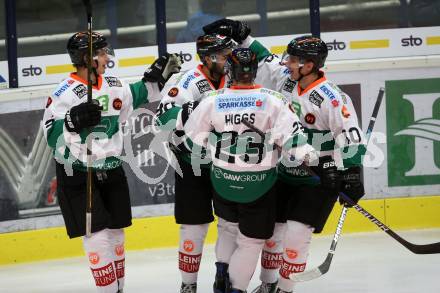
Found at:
<point>327,114</point>
<point>117,99</point>
<point>244,162</point>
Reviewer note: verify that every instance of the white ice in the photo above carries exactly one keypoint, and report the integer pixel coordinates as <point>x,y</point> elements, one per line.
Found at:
<point>363,263</point>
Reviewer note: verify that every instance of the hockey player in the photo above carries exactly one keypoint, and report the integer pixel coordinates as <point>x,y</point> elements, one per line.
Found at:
<point>67,118</point>
<point>243,170</point>
<point>330,121</point>
<point>193,191</point>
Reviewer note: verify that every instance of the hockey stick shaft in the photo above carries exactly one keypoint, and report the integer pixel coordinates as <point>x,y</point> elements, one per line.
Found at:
<point>415,248</point>
<point>89,188</point>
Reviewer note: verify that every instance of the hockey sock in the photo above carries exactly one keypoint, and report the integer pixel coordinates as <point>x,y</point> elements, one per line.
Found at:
<point>190,250</point>
<point>99,250</point>
<point>271,256</point>
<point>296,244</point>
<point>118,239</point>
<point>244,261</point>
<point>226,240</point>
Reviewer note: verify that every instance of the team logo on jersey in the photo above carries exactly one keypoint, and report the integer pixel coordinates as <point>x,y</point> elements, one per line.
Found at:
<point>113,81</point>
<point>103,101</point>
<point>291,253</point>
<point>188,245</point>
<point>80,91</point>
<point>316,99</point>
<point>345,112</point>
<point>289,85</point>
<point>49,101</point>
<point>173,92</point>
<point>335,103</point>
<point>117,104</point>
<point>93,258</point>
<point>310,118</point>
<point>203,86</point>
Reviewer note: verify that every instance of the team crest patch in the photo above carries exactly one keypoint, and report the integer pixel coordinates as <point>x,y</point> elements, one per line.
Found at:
<point>49,101</point>
<point>113,81</point>
<point>310,118</point>
<point>80,91</point>
<point>316,99</point>
<point>117,104</point>
<point>93,258</point>
<point>173,92</point>
<point>188,245</point>
<point>289,85</point>
<point>203,86</point>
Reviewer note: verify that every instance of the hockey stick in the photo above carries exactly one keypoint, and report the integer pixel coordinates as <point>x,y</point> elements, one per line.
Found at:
<point>89,196</point>
<point>325,266</point>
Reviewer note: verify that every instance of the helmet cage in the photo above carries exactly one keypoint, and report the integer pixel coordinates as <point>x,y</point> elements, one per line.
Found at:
<point>78,44</point>
<point>309,48</point>
<point>242,65</point>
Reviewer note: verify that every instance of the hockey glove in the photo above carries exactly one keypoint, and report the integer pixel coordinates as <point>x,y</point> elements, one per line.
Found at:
<point>328,173</point>
<point>82,116</point>
<point>351,184</point>
<point>163,68</point>
<point>187,109</point>
<point>235,29</point>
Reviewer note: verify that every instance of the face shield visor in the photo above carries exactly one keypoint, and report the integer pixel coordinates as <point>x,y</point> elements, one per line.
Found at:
<point>106,51</point>
<point>292,62</point>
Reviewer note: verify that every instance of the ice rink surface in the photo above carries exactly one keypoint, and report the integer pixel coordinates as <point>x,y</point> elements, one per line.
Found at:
<point>363,263</point>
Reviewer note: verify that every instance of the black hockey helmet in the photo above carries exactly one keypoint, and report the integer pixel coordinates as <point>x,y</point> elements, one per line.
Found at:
<point>78,43</point>
<point>243,65</point>
<point>213,43</point>
<point>309,48</point>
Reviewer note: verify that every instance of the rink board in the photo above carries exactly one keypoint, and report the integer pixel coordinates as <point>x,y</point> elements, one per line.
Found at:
<point>53,243</point>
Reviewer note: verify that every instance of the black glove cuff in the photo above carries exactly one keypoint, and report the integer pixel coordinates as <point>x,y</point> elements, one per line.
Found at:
<point>187,109</point>
<point>69,123</point>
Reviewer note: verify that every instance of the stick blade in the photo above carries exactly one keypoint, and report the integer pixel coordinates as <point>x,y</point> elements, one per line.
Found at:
<point>314,273</point>
<point>432,248</point>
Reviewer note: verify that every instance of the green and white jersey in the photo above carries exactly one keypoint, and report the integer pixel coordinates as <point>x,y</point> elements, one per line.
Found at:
<point>243,161</point>
<point>118,101</point>
<point>326,113</point>
<point>186,87</point>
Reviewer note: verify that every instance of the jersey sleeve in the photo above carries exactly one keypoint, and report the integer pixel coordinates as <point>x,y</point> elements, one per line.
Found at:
<point>169,108</point>
<point>199,124</point>
<point>287,131</point>
<point>53,118</point>
<point>271,73</point>
<point>343,123</point>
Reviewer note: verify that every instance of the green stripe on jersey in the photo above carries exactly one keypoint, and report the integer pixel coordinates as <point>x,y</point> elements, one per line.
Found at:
<point>353,155</point>
<point>139,93</point>
<point>321,140</point>
<point>55,131</point>
<point>242,187</point>
<point>259,50</point>
<point>109,125</point>
<point>168,116</point>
